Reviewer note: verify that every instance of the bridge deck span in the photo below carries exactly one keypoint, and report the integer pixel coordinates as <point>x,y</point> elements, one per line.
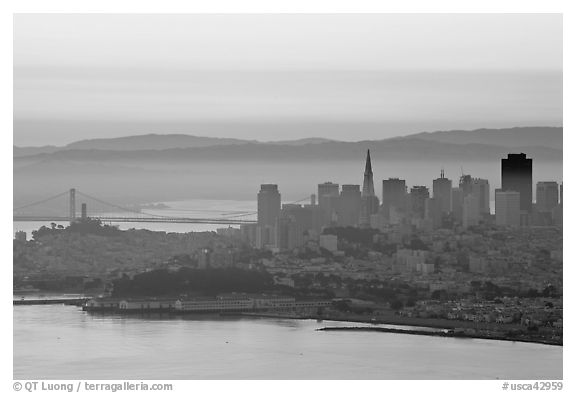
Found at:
<point>172,220</point>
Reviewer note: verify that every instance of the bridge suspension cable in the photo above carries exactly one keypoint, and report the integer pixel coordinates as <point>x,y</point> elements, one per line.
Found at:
<point>242,215</point>
<point>301,200</point>
<point>118,206</point>
<point>222,212</point>
<point>42,201</point>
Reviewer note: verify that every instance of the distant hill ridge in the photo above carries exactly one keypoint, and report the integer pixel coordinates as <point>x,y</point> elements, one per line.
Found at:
<point>153,142</point>
<point>545,142</point>
<point>513,137</point>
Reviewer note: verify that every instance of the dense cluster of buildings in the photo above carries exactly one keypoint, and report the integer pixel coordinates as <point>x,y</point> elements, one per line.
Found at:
<point>521,260</point>
<point>288,226</point>
<point>527,312</point>
<point>130,252</point>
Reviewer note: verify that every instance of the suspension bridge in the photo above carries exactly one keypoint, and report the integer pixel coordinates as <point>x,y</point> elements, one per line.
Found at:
<point>51,210</point>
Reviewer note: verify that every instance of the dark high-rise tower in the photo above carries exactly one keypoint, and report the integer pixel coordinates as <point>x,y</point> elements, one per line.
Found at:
<point>517,176</point>
<point>368,185</point>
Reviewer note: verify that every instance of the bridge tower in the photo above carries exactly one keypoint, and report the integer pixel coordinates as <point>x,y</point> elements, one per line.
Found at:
<point>72,201</point>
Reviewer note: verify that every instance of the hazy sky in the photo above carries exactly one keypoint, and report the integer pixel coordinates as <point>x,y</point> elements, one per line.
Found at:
<point>281,76</point>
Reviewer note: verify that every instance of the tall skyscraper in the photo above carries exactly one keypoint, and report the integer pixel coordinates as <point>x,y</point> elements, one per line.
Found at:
<point>349,205</point>
<point>481,190</point>
<point>457,203</point>
<point>465,184</point>
<point>370,202</point>
<point>546,196</point>
<point>269,201</point>
<point>442,192</point>
<point>327,189</point>
<point>328,197</point>
<point>393,195</point>
<point>517,176</point>
<point>418,197</point>
<point>507,208</point>
<point>268,204</point>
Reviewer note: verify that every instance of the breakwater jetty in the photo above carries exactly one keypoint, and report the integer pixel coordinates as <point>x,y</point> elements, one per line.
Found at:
<point>455,333</point>
<point>65,301</point>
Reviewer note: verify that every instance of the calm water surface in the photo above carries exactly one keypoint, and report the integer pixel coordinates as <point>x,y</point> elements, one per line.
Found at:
<point>63,342</point>
<point>197,208</point>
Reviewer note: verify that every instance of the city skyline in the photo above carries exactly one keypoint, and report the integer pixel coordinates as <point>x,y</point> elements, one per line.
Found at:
<point>440,182</point>
<point>283,225</point>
